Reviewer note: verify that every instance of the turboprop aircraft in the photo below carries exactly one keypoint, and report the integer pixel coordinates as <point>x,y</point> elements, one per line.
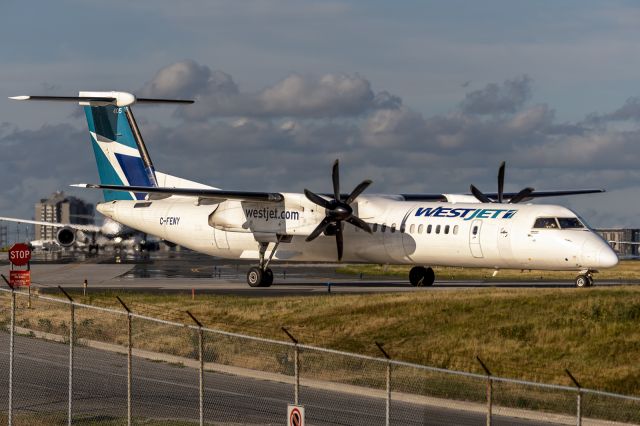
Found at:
<point>468,230</point>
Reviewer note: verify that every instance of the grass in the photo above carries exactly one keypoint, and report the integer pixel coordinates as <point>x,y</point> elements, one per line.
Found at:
<point>531,334</point>
<point>626,270</point>
<point>521,333</point>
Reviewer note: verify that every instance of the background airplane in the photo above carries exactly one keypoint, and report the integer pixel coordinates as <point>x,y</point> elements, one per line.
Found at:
<point>469,230</point>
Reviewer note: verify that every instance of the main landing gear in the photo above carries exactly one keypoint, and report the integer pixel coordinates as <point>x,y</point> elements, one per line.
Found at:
<point>421,276</point>
<point>261,275</point>
<point>585,279</point>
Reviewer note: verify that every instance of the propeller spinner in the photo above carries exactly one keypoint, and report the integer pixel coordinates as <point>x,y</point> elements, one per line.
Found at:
<point>514,200</point>
<point>337,211</point>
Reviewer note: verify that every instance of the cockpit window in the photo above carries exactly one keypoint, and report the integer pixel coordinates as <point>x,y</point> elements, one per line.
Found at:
<point>570,223</point>
<point>546,223</point>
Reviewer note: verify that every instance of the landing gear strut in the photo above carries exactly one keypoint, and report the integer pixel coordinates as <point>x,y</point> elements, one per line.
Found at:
<point>421,276</point>
<point>261,275</point>
<point>585,279</point>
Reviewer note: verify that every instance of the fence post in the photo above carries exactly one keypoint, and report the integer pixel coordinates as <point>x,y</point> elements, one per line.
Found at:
<point>129,369</point>
<point>489,391</point>
<point>201,358</point>
<point>296,367</point>
<point>11,349</point>
<point>579,402</point>
<point>71,337</point>
<point>388,399</point>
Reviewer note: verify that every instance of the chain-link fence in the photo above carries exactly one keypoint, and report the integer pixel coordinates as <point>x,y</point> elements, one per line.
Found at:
<point>71,362</point>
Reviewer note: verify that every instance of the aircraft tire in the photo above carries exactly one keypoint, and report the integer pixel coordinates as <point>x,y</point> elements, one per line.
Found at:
<point>430,277</point>
<point>583,280</point>
<point>418,275</point>
<point>267,278</point>
<point>254,276</point>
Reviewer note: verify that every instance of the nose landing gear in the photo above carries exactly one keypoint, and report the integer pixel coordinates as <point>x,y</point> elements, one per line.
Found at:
<point>421,276</point>
<point>584,279</point>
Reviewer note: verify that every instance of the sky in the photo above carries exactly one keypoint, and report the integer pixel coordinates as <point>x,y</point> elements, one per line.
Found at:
<point>418,96</point>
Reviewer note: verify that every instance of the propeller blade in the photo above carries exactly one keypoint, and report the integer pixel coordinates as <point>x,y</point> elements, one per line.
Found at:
<point>319,229</point>
<point>339,240</point>
<point>501,181</point>
<point>521,195</point>
<point>358,190</point>
<point>335,175</point>
<point>315,198</point>
<point>356,221</point>
<point>479,195</point>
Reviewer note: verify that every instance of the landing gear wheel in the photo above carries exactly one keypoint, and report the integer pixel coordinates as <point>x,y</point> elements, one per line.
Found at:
<point>430,277</point>
<point>419,276</point>
<point>267,278</point>
<point>254,277</point>
<point>257,277</point>
<point>584,280</point>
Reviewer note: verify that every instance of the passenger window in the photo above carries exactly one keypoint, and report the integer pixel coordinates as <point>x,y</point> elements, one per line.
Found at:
<point>412,228</point>
<point>475,230</point>
<point>437,229</point>
<point>420,229</point>
<point>455,230</point>
<point>383,228</point>
<point>393,227</point>
<point>375,227</point>
<point>429,229</point>
<point>570,223</point>
<point>446,229</point>
<point>546,223</point>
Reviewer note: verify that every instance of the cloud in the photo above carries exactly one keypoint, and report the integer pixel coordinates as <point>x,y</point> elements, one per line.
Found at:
<point>286,136</point>
<point>304,96</point>
<point>498,99</point>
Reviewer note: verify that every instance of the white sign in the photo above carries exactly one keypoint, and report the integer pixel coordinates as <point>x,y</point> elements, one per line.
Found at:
<point>295,415</point>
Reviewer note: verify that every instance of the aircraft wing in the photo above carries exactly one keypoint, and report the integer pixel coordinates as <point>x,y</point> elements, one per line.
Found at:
<point>85,228</point>
<point>219,194</point>
<point>507,195</point>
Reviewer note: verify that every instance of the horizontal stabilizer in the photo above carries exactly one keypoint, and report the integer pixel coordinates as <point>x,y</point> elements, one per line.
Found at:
<point>218,194</point>
<point>103,98</point>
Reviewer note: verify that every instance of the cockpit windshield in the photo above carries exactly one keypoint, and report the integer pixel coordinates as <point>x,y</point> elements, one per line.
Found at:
<point>570,223</point>
<point>558,223</point>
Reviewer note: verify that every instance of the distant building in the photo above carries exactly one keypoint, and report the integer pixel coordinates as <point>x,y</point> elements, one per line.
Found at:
<point>617,235</point>
<point>61,208</point>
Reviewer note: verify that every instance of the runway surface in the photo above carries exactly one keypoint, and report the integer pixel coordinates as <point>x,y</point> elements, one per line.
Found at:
<point>183,271</point>
<point>164,391</point>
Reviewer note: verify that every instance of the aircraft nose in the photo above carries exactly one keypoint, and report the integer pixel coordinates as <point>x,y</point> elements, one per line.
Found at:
<point>607,258</point>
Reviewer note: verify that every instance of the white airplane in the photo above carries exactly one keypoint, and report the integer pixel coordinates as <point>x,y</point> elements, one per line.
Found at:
<point>93,237</point>
<point>468,230</point>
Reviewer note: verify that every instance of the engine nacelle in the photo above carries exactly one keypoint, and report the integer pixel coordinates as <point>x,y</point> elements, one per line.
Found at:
<point>66,237</point>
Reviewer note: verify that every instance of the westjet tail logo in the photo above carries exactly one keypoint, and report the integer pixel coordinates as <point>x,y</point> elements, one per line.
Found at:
<point>466,214</point>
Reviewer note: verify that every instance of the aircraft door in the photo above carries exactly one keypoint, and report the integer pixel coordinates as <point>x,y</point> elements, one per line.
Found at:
<point>474,238</point>
<point>504,241</point>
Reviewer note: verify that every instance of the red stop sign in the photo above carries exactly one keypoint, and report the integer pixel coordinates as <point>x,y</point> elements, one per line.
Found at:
<point>19,254</point>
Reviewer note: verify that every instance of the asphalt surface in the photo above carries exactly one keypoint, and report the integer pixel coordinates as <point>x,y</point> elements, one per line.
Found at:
<point>184,271</point>
<point>164,391</point>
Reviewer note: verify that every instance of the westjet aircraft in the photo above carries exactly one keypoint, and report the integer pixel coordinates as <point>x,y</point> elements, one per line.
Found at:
<point>477,230</point>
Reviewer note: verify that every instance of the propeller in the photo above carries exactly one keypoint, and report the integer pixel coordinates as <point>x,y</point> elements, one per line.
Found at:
<point>514,200</point>
<point>337,211</point>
